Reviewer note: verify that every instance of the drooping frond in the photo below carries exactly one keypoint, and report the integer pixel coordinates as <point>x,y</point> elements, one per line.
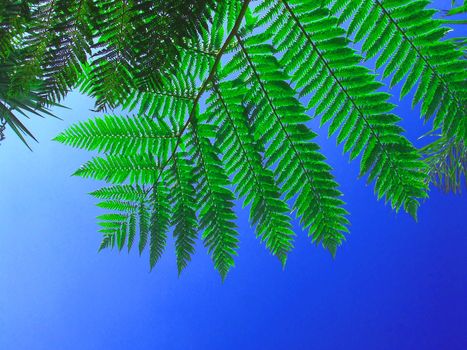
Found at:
<point>17,103</point>
<point>171,101</point>
<point>67,27</point>
<point>55,44</point>
<point>63,35</point>
<point>160,222</point>
<point>181,179</point>
<point>215,200</point>
<point>131,202</point>
<point>144,224</point>
<point>161,27</point>
<point>116,48</point>
<point>407,41</point>
<point>112,65</point>
<point>132,206</point>
<point>121,228</point>
<point>13,17</point>
<point>243,162</point>
<point>21,80</point>
<point>277,120</point>
<point>225,115</point>
<point>345,94</point>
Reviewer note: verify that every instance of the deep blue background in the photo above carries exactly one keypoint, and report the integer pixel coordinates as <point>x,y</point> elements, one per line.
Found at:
<point>395,284</point>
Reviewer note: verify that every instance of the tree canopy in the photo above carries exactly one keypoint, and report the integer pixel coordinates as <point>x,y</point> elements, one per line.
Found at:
<point>219,97</point>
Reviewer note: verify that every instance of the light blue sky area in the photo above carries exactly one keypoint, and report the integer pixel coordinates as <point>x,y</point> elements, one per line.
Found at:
<point>395,284</point>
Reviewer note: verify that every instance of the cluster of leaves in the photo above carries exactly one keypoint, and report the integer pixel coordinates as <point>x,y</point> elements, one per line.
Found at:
<point>224,92</point>
<point>19,91</point>
<point>48,47</point>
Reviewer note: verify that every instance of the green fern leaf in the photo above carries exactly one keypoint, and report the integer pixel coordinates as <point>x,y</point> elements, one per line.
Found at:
<point>253,181</point>
<point>121,135</point>
<point>329,71</point>
<point>116,169</point>
<point>160,221</point>
<point>183,201</point>
<point>215,201</point>
<point>405,37</point>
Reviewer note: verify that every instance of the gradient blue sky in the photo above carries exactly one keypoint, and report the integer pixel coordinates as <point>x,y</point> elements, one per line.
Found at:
<point>395,284</point>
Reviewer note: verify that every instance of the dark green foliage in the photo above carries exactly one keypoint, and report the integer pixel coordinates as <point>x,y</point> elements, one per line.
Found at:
<point>225,91</point>
<point>48,47</point>
<point>19,87</point>
<point>156,31</point>
<point>58,43</point>
<point>13,17</point>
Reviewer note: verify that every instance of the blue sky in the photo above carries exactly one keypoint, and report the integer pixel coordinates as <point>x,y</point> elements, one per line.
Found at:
<point>395,284</point>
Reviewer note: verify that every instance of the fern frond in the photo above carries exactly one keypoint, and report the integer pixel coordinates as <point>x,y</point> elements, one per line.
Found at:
<point>114,228</point>
<point>144,225</point>
<point>215,200</point>
<point>278,123</point>
<point>155,29</point>
<point>243,163</point>
<point>121,135</point>
<point>133,193</point>
<point>345,93</point>
<point>407,41</point>
<point>170,176</point>
<point>131,230</point>
<point>180,179</point>
<point>54,43</point>
<point>160,222</point>
<point>117,169</point>
<point>173,102</point>
<point>132,206</point>
<point>117,206</point>
<point>159,28</point>
<point>68,48</point>
<point>13,18</point>
<point>108,242</point>
<point>224,110</point>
